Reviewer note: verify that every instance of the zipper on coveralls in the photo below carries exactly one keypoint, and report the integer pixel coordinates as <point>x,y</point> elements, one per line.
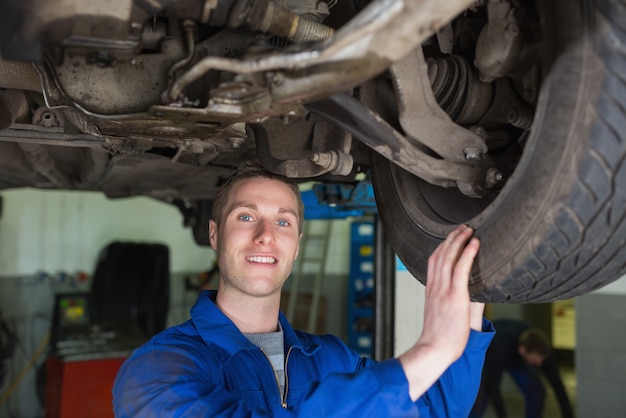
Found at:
<point>283,396</point>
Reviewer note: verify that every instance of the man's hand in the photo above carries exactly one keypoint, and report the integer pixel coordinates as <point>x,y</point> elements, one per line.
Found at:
<point>476,315</point>
<point>447,312</point>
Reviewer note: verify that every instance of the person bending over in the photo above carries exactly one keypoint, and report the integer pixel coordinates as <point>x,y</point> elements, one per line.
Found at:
<point>521,351</point>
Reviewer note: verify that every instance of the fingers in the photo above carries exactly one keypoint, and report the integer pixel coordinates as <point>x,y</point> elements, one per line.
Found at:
<point>447,305</point>
<point>452,261</point>
<point>463,266</point>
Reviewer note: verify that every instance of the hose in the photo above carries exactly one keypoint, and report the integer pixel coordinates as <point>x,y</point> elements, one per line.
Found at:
<point>43,345</point>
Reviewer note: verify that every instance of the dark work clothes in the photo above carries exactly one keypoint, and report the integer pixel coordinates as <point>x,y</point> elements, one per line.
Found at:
<point>503,355</point>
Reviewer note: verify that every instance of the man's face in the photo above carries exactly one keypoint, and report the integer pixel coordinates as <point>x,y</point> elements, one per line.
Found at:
<point>531,357</point>
<point>258,239</point>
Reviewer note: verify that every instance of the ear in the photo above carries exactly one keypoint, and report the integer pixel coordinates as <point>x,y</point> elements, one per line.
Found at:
<point>213,234</point>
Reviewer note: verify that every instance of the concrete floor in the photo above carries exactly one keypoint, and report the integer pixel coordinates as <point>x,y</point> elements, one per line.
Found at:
<point>514,401</point>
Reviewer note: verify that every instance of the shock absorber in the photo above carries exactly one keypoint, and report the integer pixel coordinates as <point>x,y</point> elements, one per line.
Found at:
<point>470,101</point>
<point>458,90</point>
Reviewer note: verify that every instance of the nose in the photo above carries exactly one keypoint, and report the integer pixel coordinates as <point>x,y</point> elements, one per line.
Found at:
<point>264,233</point>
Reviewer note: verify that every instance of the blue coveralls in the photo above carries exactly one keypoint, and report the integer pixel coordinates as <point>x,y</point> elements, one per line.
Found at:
<point>206,367</point>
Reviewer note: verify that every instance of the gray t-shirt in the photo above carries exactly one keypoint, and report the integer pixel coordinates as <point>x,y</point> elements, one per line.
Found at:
<point>271,343</point>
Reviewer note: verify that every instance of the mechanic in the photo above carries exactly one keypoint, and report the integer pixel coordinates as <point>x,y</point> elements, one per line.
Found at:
<point>238,355</point>
<point>521,351</point>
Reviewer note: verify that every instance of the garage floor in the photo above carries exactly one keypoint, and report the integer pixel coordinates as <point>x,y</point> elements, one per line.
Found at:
<point>515,403</point>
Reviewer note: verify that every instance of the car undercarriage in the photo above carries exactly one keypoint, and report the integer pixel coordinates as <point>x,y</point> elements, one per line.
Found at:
<point>461,111</point>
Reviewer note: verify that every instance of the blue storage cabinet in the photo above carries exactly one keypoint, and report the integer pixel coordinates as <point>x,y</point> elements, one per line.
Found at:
<point>361,288</point>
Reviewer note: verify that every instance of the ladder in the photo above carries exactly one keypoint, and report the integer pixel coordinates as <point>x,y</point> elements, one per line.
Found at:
<point>319,243</point>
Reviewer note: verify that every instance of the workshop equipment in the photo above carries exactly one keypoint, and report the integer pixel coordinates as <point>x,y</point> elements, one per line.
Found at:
<point>94,332</point>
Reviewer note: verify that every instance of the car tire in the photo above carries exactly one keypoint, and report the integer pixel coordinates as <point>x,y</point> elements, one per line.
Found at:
<point>203,210</point>
<point>557,229</point>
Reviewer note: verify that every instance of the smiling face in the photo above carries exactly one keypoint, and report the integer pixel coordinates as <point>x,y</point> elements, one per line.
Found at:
<point>257,239</point>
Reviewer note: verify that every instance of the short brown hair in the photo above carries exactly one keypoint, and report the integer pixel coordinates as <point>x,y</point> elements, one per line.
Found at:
<point>535,341</point>
<point>250,170</point>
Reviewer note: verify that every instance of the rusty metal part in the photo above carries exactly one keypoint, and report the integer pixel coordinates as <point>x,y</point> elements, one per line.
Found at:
<point>150,132</point>
<point>114,32</point>
<point>128,87</point>
<point>357,52</point>
<point>371,129</point>
<point>81,121</point>
<point>507,107</point>
<point>293,168</point>
<point>230,102</point>
<point>189,26</point>
<point>328,152</point>
<point>13,104</point>
<point>208,9</point>
<point>499,44</point>
<point>312,9</point>
<point>129,136</point>
<point>331,152</point>
<point>267,16</point>
<point>494,177</point>
<point>48,118</point>
<point>422,119</point>
<point>44,164</point>
<point>445,39</point>
<point>51,136</point>
<point>19,76</point>
<point>238,134</point>
<point>337,162</point>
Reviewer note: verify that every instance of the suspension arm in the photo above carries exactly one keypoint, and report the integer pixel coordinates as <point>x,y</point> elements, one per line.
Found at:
<point>371,129</point>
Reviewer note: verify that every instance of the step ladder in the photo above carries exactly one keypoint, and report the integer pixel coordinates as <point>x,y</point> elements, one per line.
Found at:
<point>313,250</point>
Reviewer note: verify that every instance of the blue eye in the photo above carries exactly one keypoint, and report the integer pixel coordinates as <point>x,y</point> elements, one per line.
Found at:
<point>283,222</point>
<point>245,218</point>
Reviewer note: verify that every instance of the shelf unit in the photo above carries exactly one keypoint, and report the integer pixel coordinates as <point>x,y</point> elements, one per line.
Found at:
<point>361,287</point>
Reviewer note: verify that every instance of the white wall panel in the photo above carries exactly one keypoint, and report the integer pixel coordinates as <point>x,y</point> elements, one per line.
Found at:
<point>65,231</point>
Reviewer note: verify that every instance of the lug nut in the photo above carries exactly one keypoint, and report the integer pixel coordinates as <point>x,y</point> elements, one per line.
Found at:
<point>471,153</point>
<point>493,177</point>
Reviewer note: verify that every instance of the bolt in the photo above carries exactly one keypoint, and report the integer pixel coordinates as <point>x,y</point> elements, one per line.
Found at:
<point>323,159</point>
<point>493,177</point>
<point>471,153</point>
<point>236,141</point>
<point>278,79</point>
<point>316,157</point>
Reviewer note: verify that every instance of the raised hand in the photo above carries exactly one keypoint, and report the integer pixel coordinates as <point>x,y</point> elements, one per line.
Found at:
<point>447,311</point>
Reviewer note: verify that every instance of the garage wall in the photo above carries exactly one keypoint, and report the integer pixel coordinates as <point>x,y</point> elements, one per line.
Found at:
<point>65,231</point>
<point>408,310</point>
<point>601,351</point>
